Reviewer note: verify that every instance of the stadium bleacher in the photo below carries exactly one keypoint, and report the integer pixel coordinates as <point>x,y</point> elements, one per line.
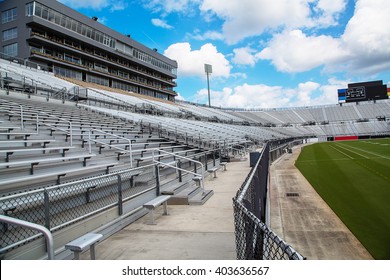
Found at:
<point>49,139</point>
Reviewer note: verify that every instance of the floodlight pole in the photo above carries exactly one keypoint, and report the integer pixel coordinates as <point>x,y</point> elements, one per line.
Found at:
<point>208,69</point>
<point>208,88</point>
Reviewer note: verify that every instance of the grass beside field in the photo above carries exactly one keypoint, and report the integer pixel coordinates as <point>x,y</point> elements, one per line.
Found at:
<point>353,177</point>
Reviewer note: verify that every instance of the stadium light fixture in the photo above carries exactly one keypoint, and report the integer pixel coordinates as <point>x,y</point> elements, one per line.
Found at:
<point>208,69</point>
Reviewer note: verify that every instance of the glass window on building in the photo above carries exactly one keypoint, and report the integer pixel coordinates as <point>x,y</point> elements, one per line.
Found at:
<point>145,91</point>
<point>10,34</point>
<point>47,13</point>
<point>38,10</point>
<point>124,86</point>
<point>162,96</point>
<point>72,59</point>
<point>100,67</point>
<point>11,50</point>
<point>97,80</point>
<point>29,9</point>
<point>8,15</point>
<point>68,73</point>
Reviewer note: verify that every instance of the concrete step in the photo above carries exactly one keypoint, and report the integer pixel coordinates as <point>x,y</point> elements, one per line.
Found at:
<point>174,188</point>
<point>183,197</point>
<point>201,197</point>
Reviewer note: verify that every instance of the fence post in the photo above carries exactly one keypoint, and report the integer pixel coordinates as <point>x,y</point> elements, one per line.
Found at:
<point>157,171</point>
<point>47,209</point>
<point>257,190</point>
<point>195,171</point>
<point>120,196</point>
<point>179,171</point>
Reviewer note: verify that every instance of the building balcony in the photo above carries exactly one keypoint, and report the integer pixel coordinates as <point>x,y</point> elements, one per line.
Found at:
<point>95,56</point>
<point>53,59</point>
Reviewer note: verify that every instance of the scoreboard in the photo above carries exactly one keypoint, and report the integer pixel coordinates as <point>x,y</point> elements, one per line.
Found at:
<point>356,93</point>
<point>363,91</point>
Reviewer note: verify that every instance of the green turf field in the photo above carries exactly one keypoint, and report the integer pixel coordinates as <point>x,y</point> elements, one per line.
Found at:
<point>353,177</point>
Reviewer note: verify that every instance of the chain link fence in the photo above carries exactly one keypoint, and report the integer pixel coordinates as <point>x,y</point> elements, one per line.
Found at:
<point>58,206</point>
<point>254,240</point>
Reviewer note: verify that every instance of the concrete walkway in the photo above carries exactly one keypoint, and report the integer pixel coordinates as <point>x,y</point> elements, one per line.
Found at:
<point>306,222</point>
<point>206,232</point>
<point>190,232</point>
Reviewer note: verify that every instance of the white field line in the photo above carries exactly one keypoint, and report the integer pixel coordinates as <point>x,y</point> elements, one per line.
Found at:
<point>342,152</point>
<point>324,160</point>
<point>368,152</point>
<point>343,147</point>
<point>375,143</point>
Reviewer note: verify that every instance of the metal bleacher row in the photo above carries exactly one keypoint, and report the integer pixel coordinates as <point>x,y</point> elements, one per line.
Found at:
<point>49,143</point>
<point>319,114</point>
<point>182,122</point>
<point>44,144</point>
<point>89,136</point>
<point>67,154</point>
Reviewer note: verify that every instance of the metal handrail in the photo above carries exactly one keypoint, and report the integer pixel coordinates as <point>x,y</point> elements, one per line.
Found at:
<point>37,122</point>
<point>249,179</point>
<point>42,229</point>
<point>21,113</point>
<point>39,194</point>
<point>115,147</point>
<point>69,122</point>
<point>177,168</point>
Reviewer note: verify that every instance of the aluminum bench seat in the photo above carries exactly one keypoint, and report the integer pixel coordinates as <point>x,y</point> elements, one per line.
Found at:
<point>154,203</point>
<point>82,243</point>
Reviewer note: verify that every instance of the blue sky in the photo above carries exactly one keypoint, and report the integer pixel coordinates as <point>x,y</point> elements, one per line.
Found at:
<point>264,53</point>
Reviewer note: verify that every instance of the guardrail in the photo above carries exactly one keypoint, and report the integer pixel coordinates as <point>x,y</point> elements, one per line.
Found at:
<point>201,175</point>
<point>254,239</point>
<point>42,229</point>
<point>130,152</point>
<point>21,112</point>
<point>59,206</point>
<point>70,130</point>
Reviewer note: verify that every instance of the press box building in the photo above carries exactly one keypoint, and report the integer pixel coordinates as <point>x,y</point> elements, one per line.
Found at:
<point>70,44</point>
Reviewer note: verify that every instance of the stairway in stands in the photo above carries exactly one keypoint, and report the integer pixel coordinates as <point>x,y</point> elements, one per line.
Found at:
<point>49,143</point>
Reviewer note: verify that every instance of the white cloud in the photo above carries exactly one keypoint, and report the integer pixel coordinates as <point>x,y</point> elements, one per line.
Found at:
<point>328,11</point>
<point>170,6</point>
<point>96,4</point>
<point>304,92</point>
<point>361,49</point>
<point>293,51</point>
<point>368,38</point>
<point>264,96</point>
<point>247,18</point>
<point>244,56</point>
<point>102,20</point>
<point>331,6</point>
<point>246,96</point>
<point>118,6</point>
<point>161,23</point>
<point>328,92</point>
<point>179,97</point>
<point>208,35</point>
<point>191,62</point>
